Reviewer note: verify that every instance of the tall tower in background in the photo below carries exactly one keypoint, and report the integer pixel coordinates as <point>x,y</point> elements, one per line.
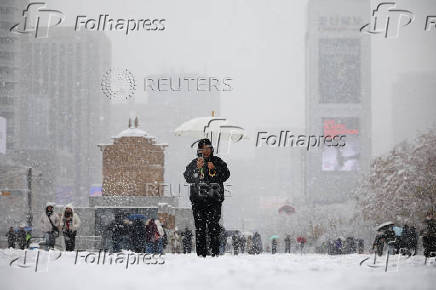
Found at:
<point>338,99</point>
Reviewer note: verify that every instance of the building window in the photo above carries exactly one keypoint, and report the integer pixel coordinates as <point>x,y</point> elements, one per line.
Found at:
<point>339,71</point>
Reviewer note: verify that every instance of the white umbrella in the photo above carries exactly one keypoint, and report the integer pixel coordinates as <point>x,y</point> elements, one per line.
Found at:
<point>211,127</point>
<point>389,223</point>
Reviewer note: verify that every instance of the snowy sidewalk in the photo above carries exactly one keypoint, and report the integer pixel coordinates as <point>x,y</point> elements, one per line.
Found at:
<point>264,271</point>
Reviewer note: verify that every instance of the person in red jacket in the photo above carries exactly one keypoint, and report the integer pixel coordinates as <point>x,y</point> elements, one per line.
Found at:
<point>151,236</point>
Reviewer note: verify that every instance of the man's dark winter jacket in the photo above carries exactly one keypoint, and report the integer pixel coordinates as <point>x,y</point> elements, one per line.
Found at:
<point>211,184</point>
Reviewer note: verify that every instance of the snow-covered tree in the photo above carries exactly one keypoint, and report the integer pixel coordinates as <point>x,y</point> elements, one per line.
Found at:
<point>401,185</point>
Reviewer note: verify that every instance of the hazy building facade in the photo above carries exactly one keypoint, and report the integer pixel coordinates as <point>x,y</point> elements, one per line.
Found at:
<point>413,104</point>
<point>63,114</point>
<point>338,100</point>
<point>10,12</point>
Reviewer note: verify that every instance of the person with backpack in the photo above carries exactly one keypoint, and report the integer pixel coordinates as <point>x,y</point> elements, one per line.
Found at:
<point>69,223</point>
<point>49,223</point>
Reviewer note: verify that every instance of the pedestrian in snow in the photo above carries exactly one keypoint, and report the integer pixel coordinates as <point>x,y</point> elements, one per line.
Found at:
<point>250,248</point>
<point>138,236</point>
<point>223,240</point>
<point>118,230</point>
<point>206,175</point>
<point>429,235</point>
<point>378,244</point>
<point>413,240</point>
<point>187,241</point>
<point>257,243</point>
<point>49,222</point>
<point>69,223</point>
<point>151,236</point>
<point>21,237</point>
<point>301,241</point>
<point>12,237</point>
<point>177,241</point>
<point>338,246</point>
<point>165,237</point>
<point>159,241</point>
<point>126,239</point>
<point>28,238</point>
<point>274,246</point>
<point>235,244</point>
<point>242,242</point>
<point>404,243</point>
<point>391,239</point>
<point>360,246</point>
<point>288,244</point>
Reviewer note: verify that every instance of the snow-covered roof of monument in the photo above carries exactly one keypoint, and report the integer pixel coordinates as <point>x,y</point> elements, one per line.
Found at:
<point>134,132</point>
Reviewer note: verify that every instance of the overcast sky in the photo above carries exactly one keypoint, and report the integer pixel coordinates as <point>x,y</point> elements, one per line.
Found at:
<point>260,44</point>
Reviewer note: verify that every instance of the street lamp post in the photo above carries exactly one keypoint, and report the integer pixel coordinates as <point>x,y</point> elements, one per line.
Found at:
<point>29,196</point>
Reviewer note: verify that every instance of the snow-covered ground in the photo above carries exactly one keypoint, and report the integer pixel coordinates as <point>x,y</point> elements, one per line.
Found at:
<point>266,271</point>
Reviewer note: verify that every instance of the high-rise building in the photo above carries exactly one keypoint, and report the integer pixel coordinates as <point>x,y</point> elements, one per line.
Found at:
<point>413,104</point>
<point>10,12</point>
<point>338,100</point>
<point>62,112</point>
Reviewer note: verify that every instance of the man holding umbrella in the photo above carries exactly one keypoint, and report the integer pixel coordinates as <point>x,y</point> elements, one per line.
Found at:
<point>206,175</point>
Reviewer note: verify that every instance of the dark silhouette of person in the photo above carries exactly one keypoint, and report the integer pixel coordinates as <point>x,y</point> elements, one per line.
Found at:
<point>206,175</point>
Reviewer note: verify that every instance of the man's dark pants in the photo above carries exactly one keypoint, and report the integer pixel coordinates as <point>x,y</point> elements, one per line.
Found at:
<point>206,219</point>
